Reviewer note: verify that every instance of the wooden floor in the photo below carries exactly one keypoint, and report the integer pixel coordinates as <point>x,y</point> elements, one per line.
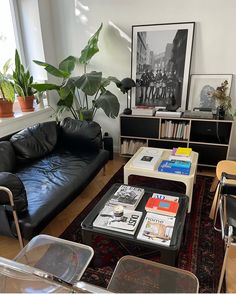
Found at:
<point>9,247</point>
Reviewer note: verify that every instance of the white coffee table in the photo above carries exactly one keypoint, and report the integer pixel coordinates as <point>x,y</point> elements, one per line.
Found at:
<point>188,180</point>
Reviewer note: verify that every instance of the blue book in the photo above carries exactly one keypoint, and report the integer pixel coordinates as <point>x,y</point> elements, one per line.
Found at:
<point>168,166</point>
<point>181,163</point>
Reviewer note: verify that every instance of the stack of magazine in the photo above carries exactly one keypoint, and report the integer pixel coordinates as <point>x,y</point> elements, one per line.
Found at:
<point>128,197</point>
<point>158,228</point>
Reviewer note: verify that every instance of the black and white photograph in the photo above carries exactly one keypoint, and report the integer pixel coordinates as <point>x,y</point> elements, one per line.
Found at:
<point>161,57</point>
<point>201,88</point>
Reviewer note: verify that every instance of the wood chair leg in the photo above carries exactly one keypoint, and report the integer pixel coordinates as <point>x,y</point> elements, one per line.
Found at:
<point>214,185</point>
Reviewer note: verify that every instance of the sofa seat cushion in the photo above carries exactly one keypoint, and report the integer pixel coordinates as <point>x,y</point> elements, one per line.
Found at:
<point>52,182</point>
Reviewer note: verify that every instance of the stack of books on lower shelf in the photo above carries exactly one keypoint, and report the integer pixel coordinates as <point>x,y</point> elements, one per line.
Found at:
<point>175,130</point>
<point>129,147</point>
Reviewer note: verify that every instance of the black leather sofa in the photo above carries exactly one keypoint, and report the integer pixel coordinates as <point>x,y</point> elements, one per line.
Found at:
<point>45,167</point>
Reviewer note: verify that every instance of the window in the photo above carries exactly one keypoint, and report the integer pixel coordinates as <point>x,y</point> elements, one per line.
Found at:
<point>7,36</point>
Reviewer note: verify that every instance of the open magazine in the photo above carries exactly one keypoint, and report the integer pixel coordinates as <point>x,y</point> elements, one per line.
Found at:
<point>126,224</point>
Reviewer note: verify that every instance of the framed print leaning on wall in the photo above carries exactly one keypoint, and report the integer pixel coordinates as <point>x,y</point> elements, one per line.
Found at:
<point>161,57</point>
<point>201,87</point>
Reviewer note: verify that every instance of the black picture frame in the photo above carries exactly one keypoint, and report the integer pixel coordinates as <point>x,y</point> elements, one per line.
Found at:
<point>160,63</point>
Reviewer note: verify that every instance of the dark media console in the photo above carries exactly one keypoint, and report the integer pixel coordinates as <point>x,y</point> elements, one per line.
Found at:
<point>209,137</point>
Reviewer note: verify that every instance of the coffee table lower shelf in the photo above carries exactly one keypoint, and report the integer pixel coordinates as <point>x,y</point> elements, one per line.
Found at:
<point>168,254</point>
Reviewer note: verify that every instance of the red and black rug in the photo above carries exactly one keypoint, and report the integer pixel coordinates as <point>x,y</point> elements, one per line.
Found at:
<point>202,252</point>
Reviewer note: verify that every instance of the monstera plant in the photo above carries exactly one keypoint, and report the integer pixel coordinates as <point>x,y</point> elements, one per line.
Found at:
<point>82,95</point>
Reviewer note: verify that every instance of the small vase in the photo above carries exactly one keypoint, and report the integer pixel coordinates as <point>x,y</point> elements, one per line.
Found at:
<point>221,112</point>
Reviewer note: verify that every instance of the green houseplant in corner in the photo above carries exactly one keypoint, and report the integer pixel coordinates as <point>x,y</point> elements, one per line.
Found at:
<point>7,93</point>
<point>23,85</point>
<point>82,95</point>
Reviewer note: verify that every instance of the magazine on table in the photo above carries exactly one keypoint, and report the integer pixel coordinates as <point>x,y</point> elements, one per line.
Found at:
<point>147,158</point>
<point>157,228</point>
<point>127,223</point>
<point>165,197</point>
<point>127,196</point>
<point>161,206</point>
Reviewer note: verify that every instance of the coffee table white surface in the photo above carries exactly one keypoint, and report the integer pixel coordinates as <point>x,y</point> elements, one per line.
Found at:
<point>188,180</point>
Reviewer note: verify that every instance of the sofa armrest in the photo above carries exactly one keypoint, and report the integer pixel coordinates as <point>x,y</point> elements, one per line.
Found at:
<point>17,188</point>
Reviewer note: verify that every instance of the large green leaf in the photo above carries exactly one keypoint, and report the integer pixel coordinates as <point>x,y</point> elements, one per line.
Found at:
<point>53,70</point>
<point>91,48</point>
<point>6,66</point>
<point>67,88</point>
<point>68,64</point>
<point>68,101</point>
<point>19,90</point>
<point>109,103</point>
<point>45,87</point>
<point>89,83</point>
<point>107,81</point>
<point>8,91</point>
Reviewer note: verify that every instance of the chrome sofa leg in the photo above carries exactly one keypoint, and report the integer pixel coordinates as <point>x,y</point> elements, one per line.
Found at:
<point>19,236</point>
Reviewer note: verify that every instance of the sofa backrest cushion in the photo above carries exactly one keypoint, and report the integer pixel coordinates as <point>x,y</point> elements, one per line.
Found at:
<point>7,157</point>
<point>35,142</point>
<point>15,185</point>
<point>81,135</point>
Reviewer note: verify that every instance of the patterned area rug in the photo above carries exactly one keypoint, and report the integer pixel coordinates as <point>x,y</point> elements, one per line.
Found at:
<point>201,253</point>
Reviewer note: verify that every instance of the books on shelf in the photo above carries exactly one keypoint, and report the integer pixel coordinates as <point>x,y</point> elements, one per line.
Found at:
<point>157,228</point>
<point>162,206</point>
<point>149,111</point>
<point>175,167</point>
<point>127,196</point>
<point>130,147</point>
<point>164,114</point>
<point>126,224</point>
<point>165,197</point>
<point>175,130</point>
<point>147,158</point>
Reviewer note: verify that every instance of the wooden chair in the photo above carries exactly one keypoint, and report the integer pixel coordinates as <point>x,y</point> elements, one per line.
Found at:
<point>229,167</point>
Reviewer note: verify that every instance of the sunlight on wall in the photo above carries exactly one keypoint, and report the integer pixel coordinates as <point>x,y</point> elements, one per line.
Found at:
<point>122,34</point>
<point>79,8</point>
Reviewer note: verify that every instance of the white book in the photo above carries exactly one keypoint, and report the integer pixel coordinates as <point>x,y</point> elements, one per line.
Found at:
<point>157,228</point>
<point>165,197</point>
<point>127,224</point>
<point>181,158</point>
<point>127,196</point>
<point>168,113</point>
<point>148,158</point>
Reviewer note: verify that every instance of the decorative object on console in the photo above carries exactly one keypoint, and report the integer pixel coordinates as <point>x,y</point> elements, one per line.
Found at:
<point>201,88</point>
<point>80,89</point>
<point>166,70</point>
<point>23,84</point>
<point>126,85</point>
<point>7,94</point>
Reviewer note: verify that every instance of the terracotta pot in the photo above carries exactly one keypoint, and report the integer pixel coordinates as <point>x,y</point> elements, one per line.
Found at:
<point>26,103</point>
<point>6,108</point>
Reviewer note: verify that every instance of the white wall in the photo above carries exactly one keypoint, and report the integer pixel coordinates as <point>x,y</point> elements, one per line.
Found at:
<point>214,48</point>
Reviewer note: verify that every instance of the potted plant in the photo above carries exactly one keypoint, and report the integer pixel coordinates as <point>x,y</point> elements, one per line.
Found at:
<point>23,85</point>
<point>82,95</point>
<point>7,93</point>
<point>224,100</point>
